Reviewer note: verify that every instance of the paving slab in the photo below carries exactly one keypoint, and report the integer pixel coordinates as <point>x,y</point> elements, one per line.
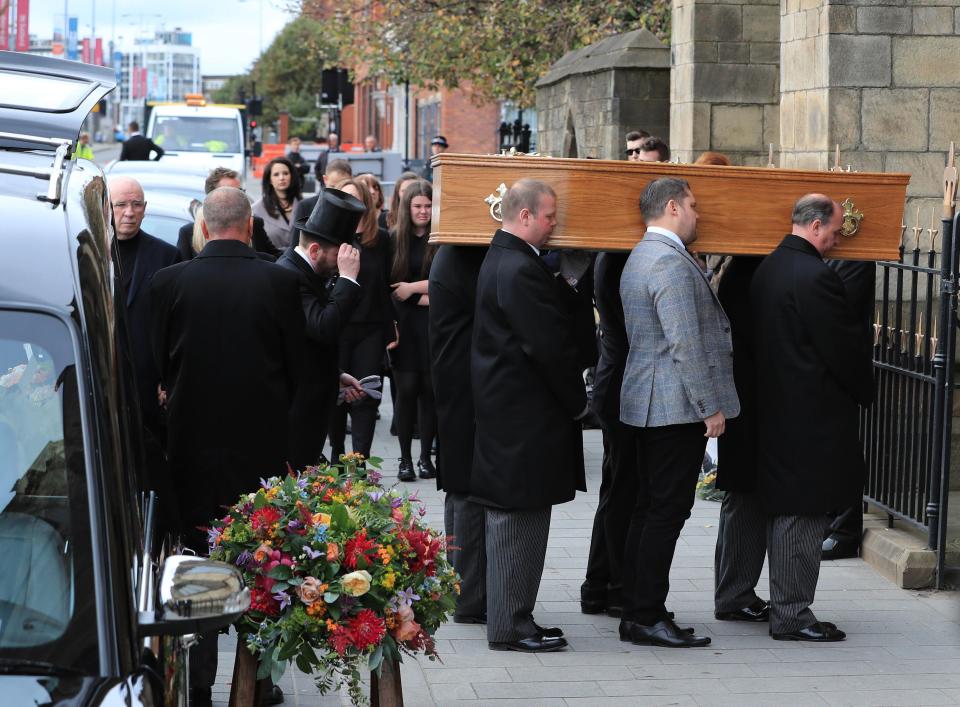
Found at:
<point>903,646</point>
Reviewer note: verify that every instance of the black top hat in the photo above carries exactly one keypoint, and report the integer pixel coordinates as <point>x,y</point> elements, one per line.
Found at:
<point>334,218</point>
<point>439,140</point>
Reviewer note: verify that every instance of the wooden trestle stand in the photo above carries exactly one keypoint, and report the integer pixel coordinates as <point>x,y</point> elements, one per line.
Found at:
<point>743,210</point>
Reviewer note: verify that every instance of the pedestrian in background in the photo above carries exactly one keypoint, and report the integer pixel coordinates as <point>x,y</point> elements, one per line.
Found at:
<point>83,151</point>
<point>411,359</point>
<point>282,192</point>
<point>394,210</point>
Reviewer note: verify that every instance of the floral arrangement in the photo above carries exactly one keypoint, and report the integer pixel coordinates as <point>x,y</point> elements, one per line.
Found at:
<point>707,483</point>
<point>343,574</point>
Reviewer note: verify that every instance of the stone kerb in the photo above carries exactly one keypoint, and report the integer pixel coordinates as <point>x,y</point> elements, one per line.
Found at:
<point>602,91</point>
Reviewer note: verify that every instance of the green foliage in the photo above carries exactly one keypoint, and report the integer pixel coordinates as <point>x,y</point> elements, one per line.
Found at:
<point>499,47</point>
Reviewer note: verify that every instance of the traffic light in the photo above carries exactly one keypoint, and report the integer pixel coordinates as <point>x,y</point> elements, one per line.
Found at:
<point>253,125</point>
<point>255,106</point>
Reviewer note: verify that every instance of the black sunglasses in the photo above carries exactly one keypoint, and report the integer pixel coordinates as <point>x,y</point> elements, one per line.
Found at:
<point>633,151</point>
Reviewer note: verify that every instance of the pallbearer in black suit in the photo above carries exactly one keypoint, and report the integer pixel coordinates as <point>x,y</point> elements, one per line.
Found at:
<point>453,290</point>
<point>529,398</point>
<point>742,531</point>
<point>602,588</point>
<point>228,341</point>
<point>322,250</point>
<point>812,374</point>
<point>138,146</point>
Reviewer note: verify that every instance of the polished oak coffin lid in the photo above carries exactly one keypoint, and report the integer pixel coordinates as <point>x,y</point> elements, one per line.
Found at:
<point>743,210</point>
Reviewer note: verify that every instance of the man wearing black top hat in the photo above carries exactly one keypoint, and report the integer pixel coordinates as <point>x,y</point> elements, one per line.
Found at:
<point>321,252</point>
<point>437,145</point>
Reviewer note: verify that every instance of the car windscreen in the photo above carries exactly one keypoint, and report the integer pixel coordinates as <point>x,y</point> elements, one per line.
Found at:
<point>196,134</point>
<point>166,228</point>
<point>47,608</point>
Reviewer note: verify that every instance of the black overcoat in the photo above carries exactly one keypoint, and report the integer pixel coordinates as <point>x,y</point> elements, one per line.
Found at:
<point>153,255</point>
<point>614,343</point>
<point>227,330</point>
<point>737,446</point>
<point>326,313</point>
<point>811,377</point>
<point>261,242</point>
<point>527,384</point>
<point>453,290</point>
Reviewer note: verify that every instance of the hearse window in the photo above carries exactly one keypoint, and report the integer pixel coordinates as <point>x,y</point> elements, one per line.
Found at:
<point>47,93</point>
<point>46,586</point>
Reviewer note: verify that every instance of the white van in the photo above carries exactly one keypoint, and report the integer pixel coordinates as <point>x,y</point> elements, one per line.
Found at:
<point>205,136</point>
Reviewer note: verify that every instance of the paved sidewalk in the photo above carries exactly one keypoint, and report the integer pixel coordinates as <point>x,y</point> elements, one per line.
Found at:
<point>902,647</point>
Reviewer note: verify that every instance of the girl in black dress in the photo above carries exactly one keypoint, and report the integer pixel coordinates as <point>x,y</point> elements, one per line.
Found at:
<point>371,327</point>
<point>411,358</point>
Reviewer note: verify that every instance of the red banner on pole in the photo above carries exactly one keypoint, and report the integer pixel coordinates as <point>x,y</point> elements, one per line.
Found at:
<point>4,24</point>
<point>85,51</point>
<point>23,26</point>
<point>98,52</point>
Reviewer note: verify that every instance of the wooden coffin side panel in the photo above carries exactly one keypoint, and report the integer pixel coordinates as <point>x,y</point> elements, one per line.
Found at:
<point>743,210</point>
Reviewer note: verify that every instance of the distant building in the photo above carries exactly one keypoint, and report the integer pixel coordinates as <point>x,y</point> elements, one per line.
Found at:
<point>212,84</point>
<point>164,67</point>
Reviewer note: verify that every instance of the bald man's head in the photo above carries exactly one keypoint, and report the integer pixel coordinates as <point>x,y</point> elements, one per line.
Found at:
<point>129,206</point>
<point>226,215</point>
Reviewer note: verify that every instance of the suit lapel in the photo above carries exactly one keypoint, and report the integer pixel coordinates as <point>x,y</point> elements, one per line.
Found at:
<point>660,238</point>
<point>509,241</point>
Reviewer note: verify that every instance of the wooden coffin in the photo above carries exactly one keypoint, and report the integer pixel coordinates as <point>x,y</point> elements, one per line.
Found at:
<point>743,210</point>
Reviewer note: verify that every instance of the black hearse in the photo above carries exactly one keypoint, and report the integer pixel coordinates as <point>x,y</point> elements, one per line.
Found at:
<point>90,611</point>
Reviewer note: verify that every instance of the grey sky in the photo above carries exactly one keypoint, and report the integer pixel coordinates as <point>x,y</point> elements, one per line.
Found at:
<point>226,31</point>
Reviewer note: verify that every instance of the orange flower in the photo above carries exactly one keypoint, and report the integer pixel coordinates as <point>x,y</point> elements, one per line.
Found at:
<point>333,552</point>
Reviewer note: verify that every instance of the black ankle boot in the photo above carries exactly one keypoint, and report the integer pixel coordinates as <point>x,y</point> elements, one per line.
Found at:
<point>405,472</point>
<point>426,468</point>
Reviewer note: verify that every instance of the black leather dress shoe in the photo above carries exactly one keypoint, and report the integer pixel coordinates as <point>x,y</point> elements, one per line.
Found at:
<point>463,619</point>
<point>426,468</point>
<point>820,632</point>
<point>663,633</point>
<point>405,471</point>
<point>757,611</point>
<point>274,696</point>
<point>548,632</point>
<point>834,549</point>
<point>534,644</point>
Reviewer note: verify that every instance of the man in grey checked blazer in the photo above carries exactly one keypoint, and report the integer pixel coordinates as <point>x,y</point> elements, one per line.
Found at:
<point>677,391</point>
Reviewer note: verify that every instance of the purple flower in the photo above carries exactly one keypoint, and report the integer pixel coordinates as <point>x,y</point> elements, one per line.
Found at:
<point>374,476</point>
<point>264,483</point>
<point>302,482</point>
<point>213,534</point>
<point>294,525</point>
<point>243,559</point>
<point>283,598</point>
<point>405,597</point>
<point>375,495</point>
<point>396,502</point>
<point>311,553</point>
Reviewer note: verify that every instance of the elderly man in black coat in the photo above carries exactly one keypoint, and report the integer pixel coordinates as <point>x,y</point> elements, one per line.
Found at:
<point>529,398</point>
<point>227,332</point>
<point>321,251</point>
<point>812,374</point>
<point>452,290</point>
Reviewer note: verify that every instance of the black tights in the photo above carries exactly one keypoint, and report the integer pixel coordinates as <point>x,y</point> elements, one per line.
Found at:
<point>414,395</point>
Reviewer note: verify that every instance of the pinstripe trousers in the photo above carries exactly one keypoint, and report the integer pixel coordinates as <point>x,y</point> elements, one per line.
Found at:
<point>516,549</point>
<point>463,520</point>
<point>741,548</point>
<point>794,545</point>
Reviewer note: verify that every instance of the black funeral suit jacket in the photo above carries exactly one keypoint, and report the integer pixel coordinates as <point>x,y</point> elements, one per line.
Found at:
<point>149,255</point>
<point>228,339</point>
<point>737,446</point>
<point>613,337</point>
<point>261,242</point>
<point>811,377</point>
<point>527,383</point>
<point>453,290</point>
<point>326,314</point>
<point>139,147</point>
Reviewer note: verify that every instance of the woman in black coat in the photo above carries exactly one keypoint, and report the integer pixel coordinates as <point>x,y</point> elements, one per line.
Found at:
<point>370,328</point>
<point>411,358</point>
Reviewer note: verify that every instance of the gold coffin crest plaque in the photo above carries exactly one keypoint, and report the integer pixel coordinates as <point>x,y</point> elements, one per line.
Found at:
<point>743,210</point>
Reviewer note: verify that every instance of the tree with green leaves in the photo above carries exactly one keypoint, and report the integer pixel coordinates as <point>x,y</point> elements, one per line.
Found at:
<point>287,75</point>
<point>497,47</point>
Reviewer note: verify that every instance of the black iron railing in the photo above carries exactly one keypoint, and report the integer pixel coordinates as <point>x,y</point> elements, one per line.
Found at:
<point>906,432</point>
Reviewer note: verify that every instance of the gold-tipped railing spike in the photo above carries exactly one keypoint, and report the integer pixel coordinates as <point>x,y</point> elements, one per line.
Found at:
<point>877,328</point>
<point>917,229</point>
<point>949,185</point>
<point>933,230</point>
<point>918,337</point>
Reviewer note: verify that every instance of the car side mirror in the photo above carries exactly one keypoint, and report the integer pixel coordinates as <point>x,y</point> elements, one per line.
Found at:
<point>195,595</point>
